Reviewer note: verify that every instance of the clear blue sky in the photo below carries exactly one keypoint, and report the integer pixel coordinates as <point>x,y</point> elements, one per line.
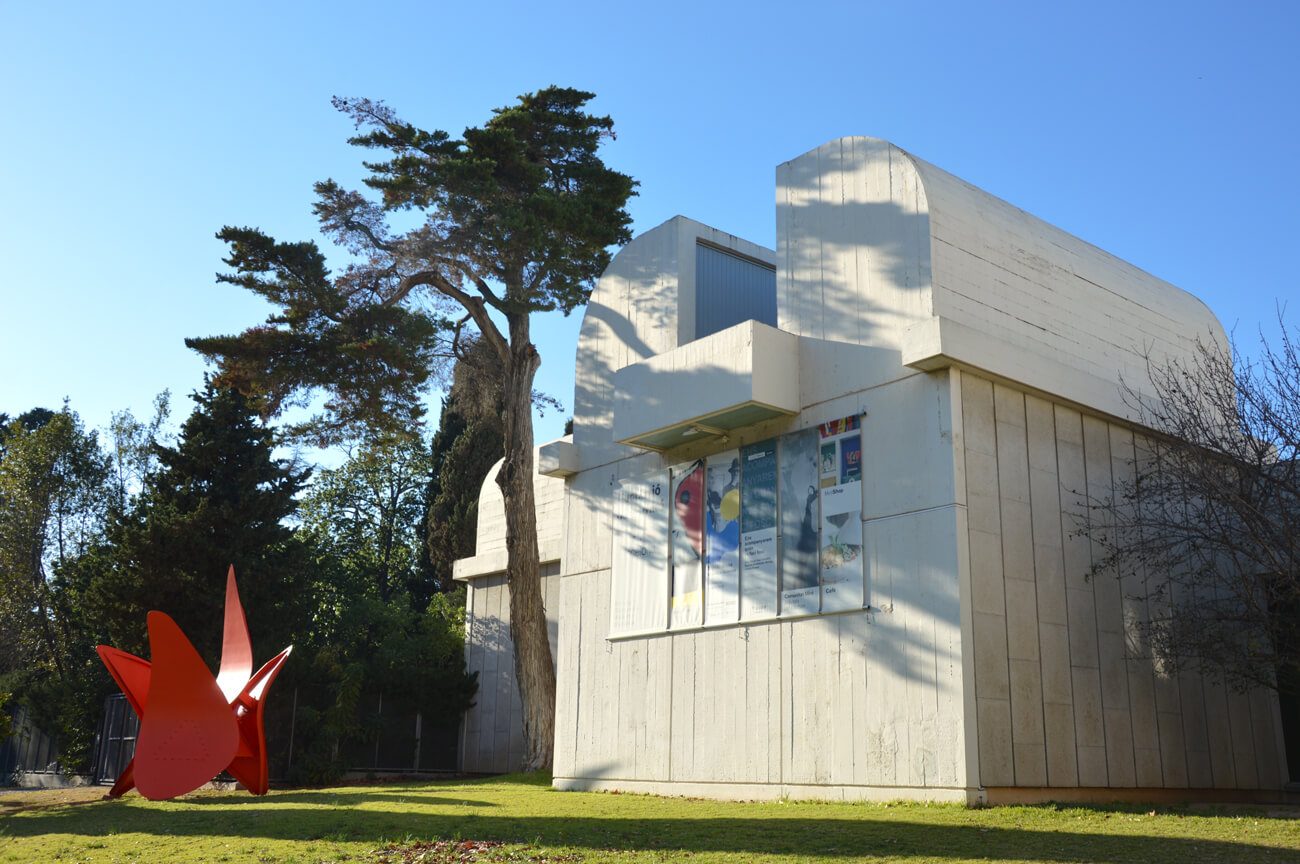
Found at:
<point>1166,133</point>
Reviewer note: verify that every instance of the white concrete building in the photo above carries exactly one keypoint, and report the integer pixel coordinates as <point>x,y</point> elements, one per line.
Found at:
<point>814,532</point>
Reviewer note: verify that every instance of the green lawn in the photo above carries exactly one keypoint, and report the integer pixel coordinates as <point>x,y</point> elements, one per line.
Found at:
<point>523,820</point>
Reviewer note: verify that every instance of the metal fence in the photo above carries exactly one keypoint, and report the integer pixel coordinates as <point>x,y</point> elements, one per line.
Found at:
<point>115,742</point>
<point>403,742</point>
<point>27,750</point>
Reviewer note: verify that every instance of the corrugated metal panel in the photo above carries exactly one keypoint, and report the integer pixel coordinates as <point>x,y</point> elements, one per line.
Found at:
<point>730,289</point>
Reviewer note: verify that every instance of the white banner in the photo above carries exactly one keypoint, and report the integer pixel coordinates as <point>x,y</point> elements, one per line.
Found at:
<point>639,570</point>
<point>841,552</point>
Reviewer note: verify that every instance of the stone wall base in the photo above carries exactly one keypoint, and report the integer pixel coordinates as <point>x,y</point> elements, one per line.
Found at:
<point>768,791</point>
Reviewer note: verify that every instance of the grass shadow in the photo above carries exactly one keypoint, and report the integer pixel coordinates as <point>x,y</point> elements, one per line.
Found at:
<point>640,823</point>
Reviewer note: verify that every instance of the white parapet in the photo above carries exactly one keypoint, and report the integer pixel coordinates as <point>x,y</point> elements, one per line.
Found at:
<point>731,379</point>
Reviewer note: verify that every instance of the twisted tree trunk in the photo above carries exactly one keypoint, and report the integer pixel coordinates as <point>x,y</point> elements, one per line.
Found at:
<point>534,670</point>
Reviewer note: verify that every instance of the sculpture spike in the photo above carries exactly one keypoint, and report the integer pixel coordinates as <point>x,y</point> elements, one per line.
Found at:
<point>236,646</point>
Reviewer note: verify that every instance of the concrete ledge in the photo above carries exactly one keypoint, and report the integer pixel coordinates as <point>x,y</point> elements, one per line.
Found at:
<point>730,379</point>
<point>495,561</point>
<point>941,342</point>
<point>770,791</point>
<point>558,458</point>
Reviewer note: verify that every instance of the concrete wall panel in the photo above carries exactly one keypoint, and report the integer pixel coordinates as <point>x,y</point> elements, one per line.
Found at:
<point>492,731</point>
<point>1067,687</point>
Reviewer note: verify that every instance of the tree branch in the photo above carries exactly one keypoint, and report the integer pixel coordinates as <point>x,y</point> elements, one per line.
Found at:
<point>488,294</point>
<point>475,306</point>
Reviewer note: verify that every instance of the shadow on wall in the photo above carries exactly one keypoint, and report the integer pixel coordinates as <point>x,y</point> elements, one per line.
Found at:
<point>861,275</point>
<point>909,652</point>
<point>874,256</point>
<point>492,736</point>
<point>877,257</point>
<point>606,324</point>
<point>944,833</point>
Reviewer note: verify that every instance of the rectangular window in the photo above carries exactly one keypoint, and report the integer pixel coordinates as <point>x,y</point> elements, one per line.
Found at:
<point>731,288</point>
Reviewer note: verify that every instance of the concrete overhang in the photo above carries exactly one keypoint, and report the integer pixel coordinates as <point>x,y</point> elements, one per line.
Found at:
<point>495,561</point>
<point>939,343</point>
<point>559,458</point>
<point>728,380</point>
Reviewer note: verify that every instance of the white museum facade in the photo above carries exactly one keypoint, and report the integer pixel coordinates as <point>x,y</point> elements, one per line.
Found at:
<point>815,533</point>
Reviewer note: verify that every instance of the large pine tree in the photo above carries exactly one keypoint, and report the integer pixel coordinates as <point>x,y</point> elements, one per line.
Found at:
<point>220,497</point>
<point>516,217</point>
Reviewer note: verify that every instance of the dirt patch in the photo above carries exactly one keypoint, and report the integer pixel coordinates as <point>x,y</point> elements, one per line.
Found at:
<point>464,852</point>
<point>19,800</point>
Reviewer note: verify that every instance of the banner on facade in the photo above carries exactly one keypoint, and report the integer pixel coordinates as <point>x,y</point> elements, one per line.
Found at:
<point>639,570</point>
<point>758,581</point>
<point>687,533</point>
<point>800,525</point>
<point>840,469</point>
<point>722,535</point>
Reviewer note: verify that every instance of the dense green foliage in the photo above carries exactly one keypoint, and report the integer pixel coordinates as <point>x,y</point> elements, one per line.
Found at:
<point>523,820</point>
<point>220,497</point>
<point>52,473</point>
<point>92,538</point>
<point>371,635</point>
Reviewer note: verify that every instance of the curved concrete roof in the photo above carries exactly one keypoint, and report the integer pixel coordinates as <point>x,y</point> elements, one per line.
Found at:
<point>642,306</point>
<point>490,532</point>
<point>879,248</point>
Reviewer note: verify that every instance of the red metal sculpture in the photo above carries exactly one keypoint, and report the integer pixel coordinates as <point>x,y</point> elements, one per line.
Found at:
<point>192,725</point>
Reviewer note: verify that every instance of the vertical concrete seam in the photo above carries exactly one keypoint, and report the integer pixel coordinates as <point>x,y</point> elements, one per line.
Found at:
<point>1002,553</point>
<point>1096,616</point>
<point>1033,560</point>
<point>1065,588</point>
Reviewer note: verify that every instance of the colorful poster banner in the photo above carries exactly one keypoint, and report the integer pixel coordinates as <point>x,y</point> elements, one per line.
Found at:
<point>841,552</point>
<point>851,458</point>
<point>758,531</point>
<point>771,529</point>
<point>841,515</point>
<point>687,533</point>
<point>799,479</point>
<point>722,535</point>
<point>639,570</point>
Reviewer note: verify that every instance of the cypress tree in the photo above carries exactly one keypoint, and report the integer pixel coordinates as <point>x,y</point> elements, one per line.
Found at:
<point>220,497</point>
<point>469,441</point>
